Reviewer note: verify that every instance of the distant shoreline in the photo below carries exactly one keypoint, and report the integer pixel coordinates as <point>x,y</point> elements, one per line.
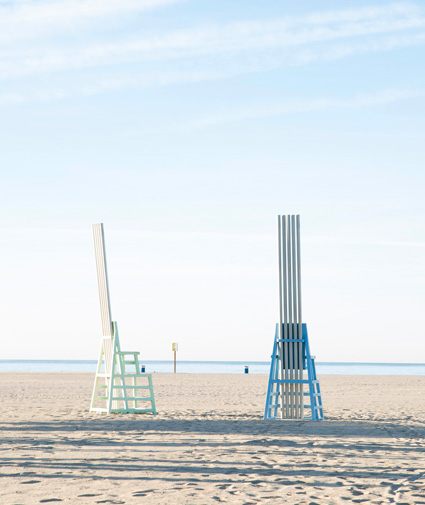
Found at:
<point>216,367</point>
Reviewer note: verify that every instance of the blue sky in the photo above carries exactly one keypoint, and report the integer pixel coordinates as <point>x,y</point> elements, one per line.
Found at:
<point>186,127</point>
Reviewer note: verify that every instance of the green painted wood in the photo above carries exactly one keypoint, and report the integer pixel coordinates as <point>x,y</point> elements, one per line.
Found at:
<point>118,391</point>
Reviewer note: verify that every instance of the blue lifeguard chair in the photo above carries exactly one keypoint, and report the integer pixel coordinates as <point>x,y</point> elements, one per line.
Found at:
<point>292,377</point>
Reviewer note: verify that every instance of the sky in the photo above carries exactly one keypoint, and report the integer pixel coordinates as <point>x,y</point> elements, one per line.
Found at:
<point>186,127</point>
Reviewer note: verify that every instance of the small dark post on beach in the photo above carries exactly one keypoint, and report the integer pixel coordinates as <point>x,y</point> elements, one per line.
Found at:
<point>175,349</point>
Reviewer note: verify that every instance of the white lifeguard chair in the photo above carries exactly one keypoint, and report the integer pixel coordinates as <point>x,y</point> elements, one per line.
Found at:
<point>119,385</point>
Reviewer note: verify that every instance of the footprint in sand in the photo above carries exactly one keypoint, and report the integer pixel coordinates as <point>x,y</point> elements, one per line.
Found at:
<point>145,492</point>
<point>111,501</point>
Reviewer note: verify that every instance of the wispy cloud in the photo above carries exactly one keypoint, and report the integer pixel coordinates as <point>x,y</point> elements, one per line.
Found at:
<point>29,19</point>
<point>15,17</point>
<point>294,107</point>
<point>361,243</point>
<point>343,50</point>
<point>236,37</point>
<point>99,65</point>
<point>226,116</point>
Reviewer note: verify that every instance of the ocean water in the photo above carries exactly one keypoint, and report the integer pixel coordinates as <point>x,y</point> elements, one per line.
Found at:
<point>256,367</point>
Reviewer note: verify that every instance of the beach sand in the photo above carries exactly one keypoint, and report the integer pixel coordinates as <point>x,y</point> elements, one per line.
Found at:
<point>209,443</point>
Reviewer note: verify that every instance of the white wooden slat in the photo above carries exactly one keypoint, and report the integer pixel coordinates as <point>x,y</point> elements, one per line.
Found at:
<point>290,319</point>
<point>300,346</point>
<point>281,371</point>
<point>295,317</point>
<point>108,349</point>
<point>285,313</point>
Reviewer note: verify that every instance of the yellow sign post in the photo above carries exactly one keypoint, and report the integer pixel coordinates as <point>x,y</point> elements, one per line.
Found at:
<point>175,349</point>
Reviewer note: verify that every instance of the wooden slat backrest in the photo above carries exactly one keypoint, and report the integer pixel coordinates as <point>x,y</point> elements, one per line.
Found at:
<point>290,313</point>
<point>108,349</point>
<point>102,279</point>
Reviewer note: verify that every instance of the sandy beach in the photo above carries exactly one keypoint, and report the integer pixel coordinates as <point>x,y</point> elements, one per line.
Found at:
<point>209,444</point>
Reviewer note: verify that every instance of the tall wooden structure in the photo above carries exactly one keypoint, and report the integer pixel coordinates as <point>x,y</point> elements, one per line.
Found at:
<point>292,372</point>
<point>119,385</point>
